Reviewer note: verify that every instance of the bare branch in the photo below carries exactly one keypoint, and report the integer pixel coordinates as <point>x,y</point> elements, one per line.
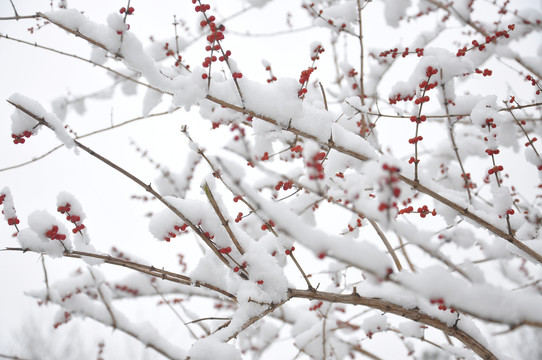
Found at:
<point>175,312</point>
<point>12,357</point>
<point>105,301</point>
<point>223,220</point>
<point>145,269</point>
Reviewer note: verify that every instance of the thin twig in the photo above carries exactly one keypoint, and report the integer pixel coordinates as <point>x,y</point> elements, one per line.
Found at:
<point>175,312</point>
<point>255,318</point>
<point>438,116</point>
<point>323,95</point>
<point>403,249</point>
<point>12,357</point>
<point>208,318</point>
<point>398,332</point>
<point>309,285</point>
<point>104,299</point>
<point>14,9</point>
<point>17,17</point>
<point>454,145</point>
<point>46,279</point>
<point>112,127</point>
<point>223,220</point>
<point>175,23</point>
<point>324,321</point>
<point>529,140</point>
<point>358,348</point>
<point>386,243</point>
<point>361,55</point>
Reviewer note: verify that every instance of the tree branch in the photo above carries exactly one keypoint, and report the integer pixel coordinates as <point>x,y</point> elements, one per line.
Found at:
<point>388,307</point>
<point>145,269</point>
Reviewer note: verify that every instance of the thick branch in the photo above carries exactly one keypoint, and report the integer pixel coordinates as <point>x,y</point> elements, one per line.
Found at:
<point>388,307</point>
<point>145,269</point>
<point>466,213</point>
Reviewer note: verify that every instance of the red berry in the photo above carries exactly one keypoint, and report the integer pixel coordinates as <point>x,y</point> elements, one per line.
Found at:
<point>226,250</point>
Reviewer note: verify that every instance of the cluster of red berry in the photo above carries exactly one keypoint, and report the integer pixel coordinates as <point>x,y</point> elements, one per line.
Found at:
<point>394,52</point>
<point>12,220</point>
<point>67,317</point>
<point>170,235</point>
<point>54,235</point>
<point>306,74</point>
<point>318,305</point>
<point>485,72</point>
<point>316,164</point>
<point>400,97</point>
<point>243,266</point>
<point>357,225</point>
<point>391,180</point>
<point>488,39</point>
<point>290,250</point>
<point>65,209</point>
<point>225,250</point>
<point>441,305</point>
<point>266,227</point>
<point>271,76</point>
<point>284,185</point>
<point>213,39</point>
<point>319,14</point>
<point>533,83</point>
<point>126,289</point>
<point>128,11</point>
<point>20,138</point>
